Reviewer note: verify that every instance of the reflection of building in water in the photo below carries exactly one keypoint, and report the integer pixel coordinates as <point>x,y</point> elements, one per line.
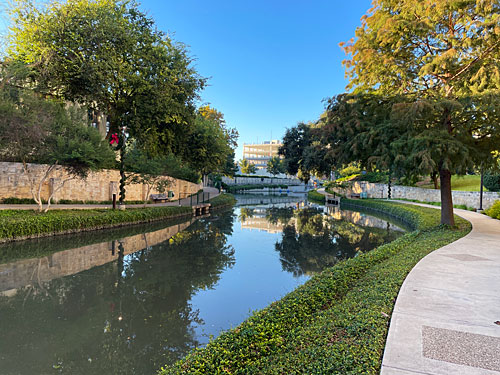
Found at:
<point>69,262</point>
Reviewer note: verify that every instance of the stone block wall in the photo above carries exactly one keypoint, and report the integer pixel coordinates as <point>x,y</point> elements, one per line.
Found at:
<point>98,186</point>
<point>468,198</point>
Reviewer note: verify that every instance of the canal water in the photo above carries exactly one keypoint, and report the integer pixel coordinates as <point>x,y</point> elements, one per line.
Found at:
<point>130,300</point>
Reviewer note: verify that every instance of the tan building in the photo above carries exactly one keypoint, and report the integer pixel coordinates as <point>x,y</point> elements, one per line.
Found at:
<point>259,154</point>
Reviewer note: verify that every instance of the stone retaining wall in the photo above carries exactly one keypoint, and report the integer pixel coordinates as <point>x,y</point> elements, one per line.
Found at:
<point>468,198</point>
<point>98,186</point>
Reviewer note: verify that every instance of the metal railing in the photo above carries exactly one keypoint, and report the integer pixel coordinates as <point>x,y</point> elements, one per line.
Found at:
<point>193,199</point>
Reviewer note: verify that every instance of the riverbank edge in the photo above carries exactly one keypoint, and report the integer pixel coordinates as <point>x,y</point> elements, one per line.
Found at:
<point>315,197</point>
<point>171,212</point>
<point>337,321</point>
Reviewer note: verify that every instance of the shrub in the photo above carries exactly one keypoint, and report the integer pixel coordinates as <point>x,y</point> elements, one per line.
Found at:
<point>223,200</point>
<point>494,211</point>
<point>351,169</point>
<point>14,200</point>
<point>492,182</point>
<point>314,196</point>
<point>20,224</point>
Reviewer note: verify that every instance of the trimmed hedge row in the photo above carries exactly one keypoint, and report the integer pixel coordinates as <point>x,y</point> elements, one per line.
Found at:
<point>14,200</point>
<point>22,224</point>
<point>314,196</point>
<point>223,200</point>
<point>334,323</point>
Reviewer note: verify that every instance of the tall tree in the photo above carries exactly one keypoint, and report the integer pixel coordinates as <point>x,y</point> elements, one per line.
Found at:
<point>210,142</point>
<point>436,54</point>
<point>295,142</point>
<point>108,55</point>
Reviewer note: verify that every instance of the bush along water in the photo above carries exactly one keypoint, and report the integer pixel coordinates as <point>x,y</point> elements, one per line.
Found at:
<point>223,200</point>
<point>336,323</point>
<point>21,224</point>
<point>315,197</point>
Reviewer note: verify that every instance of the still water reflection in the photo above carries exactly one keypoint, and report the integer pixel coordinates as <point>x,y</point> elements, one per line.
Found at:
<point>129,301</point>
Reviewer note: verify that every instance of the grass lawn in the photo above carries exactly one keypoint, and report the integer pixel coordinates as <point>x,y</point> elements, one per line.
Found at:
<point>463,183</point>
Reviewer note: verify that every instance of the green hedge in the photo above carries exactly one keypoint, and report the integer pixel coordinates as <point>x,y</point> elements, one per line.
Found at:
<point>314,196</point>
<point>223,200</point>
<point>336,323</point>
<point>14,200</point>
<point>19,224</point>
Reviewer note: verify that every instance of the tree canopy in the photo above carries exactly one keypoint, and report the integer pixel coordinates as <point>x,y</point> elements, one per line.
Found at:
<point>434,69</point>
<point>275,166</point>
<point>210,143</point>
<point>295,142</point>
<point>108,55</point>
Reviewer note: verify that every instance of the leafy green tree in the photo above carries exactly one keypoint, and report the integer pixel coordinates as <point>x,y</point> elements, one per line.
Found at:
<point>36,130</point>
<point>247,167</point>
<point>108,55</point>
<point>275,166</point>
<point>295,141</point>
<point>211,142</point>
<point>442,57</point>
<point>230,167</point>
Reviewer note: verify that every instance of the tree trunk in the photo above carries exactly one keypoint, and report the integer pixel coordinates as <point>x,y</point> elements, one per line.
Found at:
<point>446,198</point>
<point>122,172</point>
<point>434,178</point>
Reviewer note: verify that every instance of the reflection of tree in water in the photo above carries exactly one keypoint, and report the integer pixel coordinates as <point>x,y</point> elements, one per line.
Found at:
<point>245,213</point>
<point>316,242</point>
<point>130,316</point>
<point>281,215</point>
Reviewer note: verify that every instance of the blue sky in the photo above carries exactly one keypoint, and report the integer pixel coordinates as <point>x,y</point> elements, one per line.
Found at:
<point>270,63</point>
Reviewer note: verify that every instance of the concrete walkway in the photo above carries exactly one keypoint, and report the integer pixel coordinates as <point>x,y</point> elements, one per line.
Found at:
<point>183,202</point>
<point>447,315</point>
